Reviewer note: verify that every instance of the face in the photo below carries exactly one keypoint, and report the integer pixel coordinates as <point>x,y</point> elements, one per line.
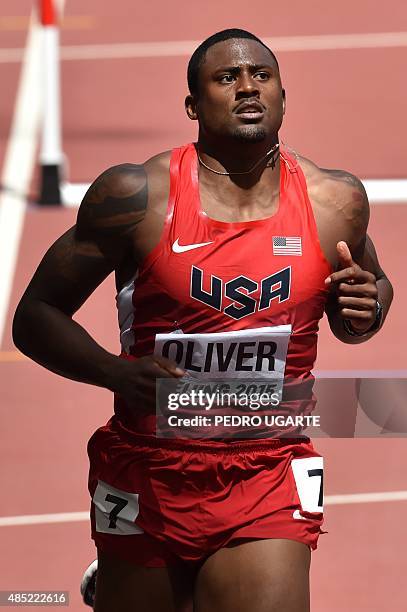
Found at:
<point>240,94</point>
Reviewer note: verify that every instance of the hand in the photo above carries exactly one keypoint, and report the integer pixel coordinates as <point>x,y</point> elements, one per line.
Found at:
<point>135,380</point>
<point>356,291</point>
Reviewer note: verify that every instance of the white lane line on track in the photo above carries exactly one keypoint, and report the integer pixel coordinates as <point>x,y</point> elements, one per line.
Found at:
<point>391,191</point>
<point>44,519</point>
<point>365,498</point>
<point>74,517</point>
<point>18,165</point>
<point>176,48</point>
<point>384,191</point>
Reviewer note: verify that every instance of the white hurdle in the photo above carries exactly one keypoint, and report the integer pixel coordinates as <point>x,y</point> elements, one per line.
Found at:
<point>51,156</point>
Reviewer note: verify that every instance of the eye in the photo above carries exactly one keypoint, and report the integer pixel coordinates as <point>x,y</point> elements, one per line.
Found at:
<point>226,78</point>
<point>262,76</point>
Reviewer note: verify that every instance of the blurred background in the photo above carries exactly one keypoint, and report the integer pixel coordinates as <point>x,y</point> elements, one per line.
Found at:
<point>123,84</point>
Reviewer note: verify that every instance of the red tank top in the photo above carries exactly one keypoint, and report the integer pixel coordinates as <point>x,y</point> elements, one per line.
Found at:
<point>213,276</point>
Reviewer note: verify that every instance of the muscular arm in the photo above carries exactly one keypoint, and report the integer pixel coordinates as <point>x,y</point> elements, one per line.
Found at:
<point>370,283</point>
<point>71,270</point>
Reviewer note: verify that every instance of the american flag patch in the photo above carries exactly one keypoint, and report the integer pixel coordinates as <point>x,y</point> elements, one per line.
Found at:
<point>287,245</point>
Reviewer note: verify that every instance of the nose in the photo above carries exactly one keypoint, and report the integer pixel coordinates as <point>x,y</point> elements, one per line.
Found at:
<point>247,86</point>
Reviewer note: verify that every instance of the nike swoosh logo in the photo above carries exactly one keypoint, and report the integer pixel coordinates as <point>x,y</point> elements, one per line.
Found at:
<point>181,248</point>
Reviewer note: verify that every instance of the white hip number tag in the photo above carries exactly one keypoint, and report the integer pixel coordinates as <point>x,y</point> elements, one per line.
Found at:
<point>309,479</point>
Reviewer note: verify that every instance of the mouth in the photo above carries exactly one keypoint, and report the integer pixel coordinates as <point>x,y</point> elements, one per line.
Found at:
<point>251,115</point>
<point>251,111</point>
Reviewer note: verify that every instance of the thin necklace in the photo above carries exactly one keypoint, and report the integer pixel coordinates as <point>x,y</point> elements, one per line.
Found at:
<point>272,164</point>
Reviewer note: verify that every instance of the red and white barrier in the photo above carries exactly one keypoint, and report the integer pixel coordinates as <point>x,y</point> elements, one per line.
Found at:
<point>51,156</point>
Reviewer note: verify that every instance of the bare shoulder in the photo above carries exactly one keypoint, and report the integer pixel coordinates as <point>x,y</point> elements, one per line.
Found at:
<point>127,179</point>
<point>158,176</point>
<point>329,183</point>
<point>159,163</point>
<point>118,199</point>
<point>340,191</point>
<point>116,182</point>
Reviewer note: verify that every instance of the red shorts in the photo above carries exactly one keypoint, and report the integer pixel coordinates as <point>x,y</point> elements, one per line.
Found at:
<point>158,502</point>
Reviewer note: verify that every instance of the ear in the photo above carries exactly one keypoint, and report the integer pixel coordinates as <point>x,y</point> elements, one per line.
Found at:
<point>190,107</point>
<point>284,101</point>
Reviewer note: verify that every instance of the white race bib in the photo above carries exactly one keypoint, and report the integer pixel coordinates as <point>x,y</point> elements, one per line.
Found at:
<point>248,353</point>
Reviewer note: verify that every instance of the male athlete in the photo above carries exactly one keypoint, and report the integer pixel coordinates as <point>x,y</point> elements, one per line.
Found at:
<point>222,237</point>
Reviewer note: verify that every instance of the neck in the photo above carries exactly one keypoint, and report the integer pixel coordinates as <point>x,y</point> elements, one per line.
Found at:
<point>243,170</point>
<point>234,158</point>
<point>254,190</point>
<point>269,158</point>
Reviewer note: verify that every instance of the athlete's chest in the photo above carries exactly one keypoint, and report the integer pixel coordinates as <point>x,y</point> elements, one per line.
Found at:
<point>237,273</point>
